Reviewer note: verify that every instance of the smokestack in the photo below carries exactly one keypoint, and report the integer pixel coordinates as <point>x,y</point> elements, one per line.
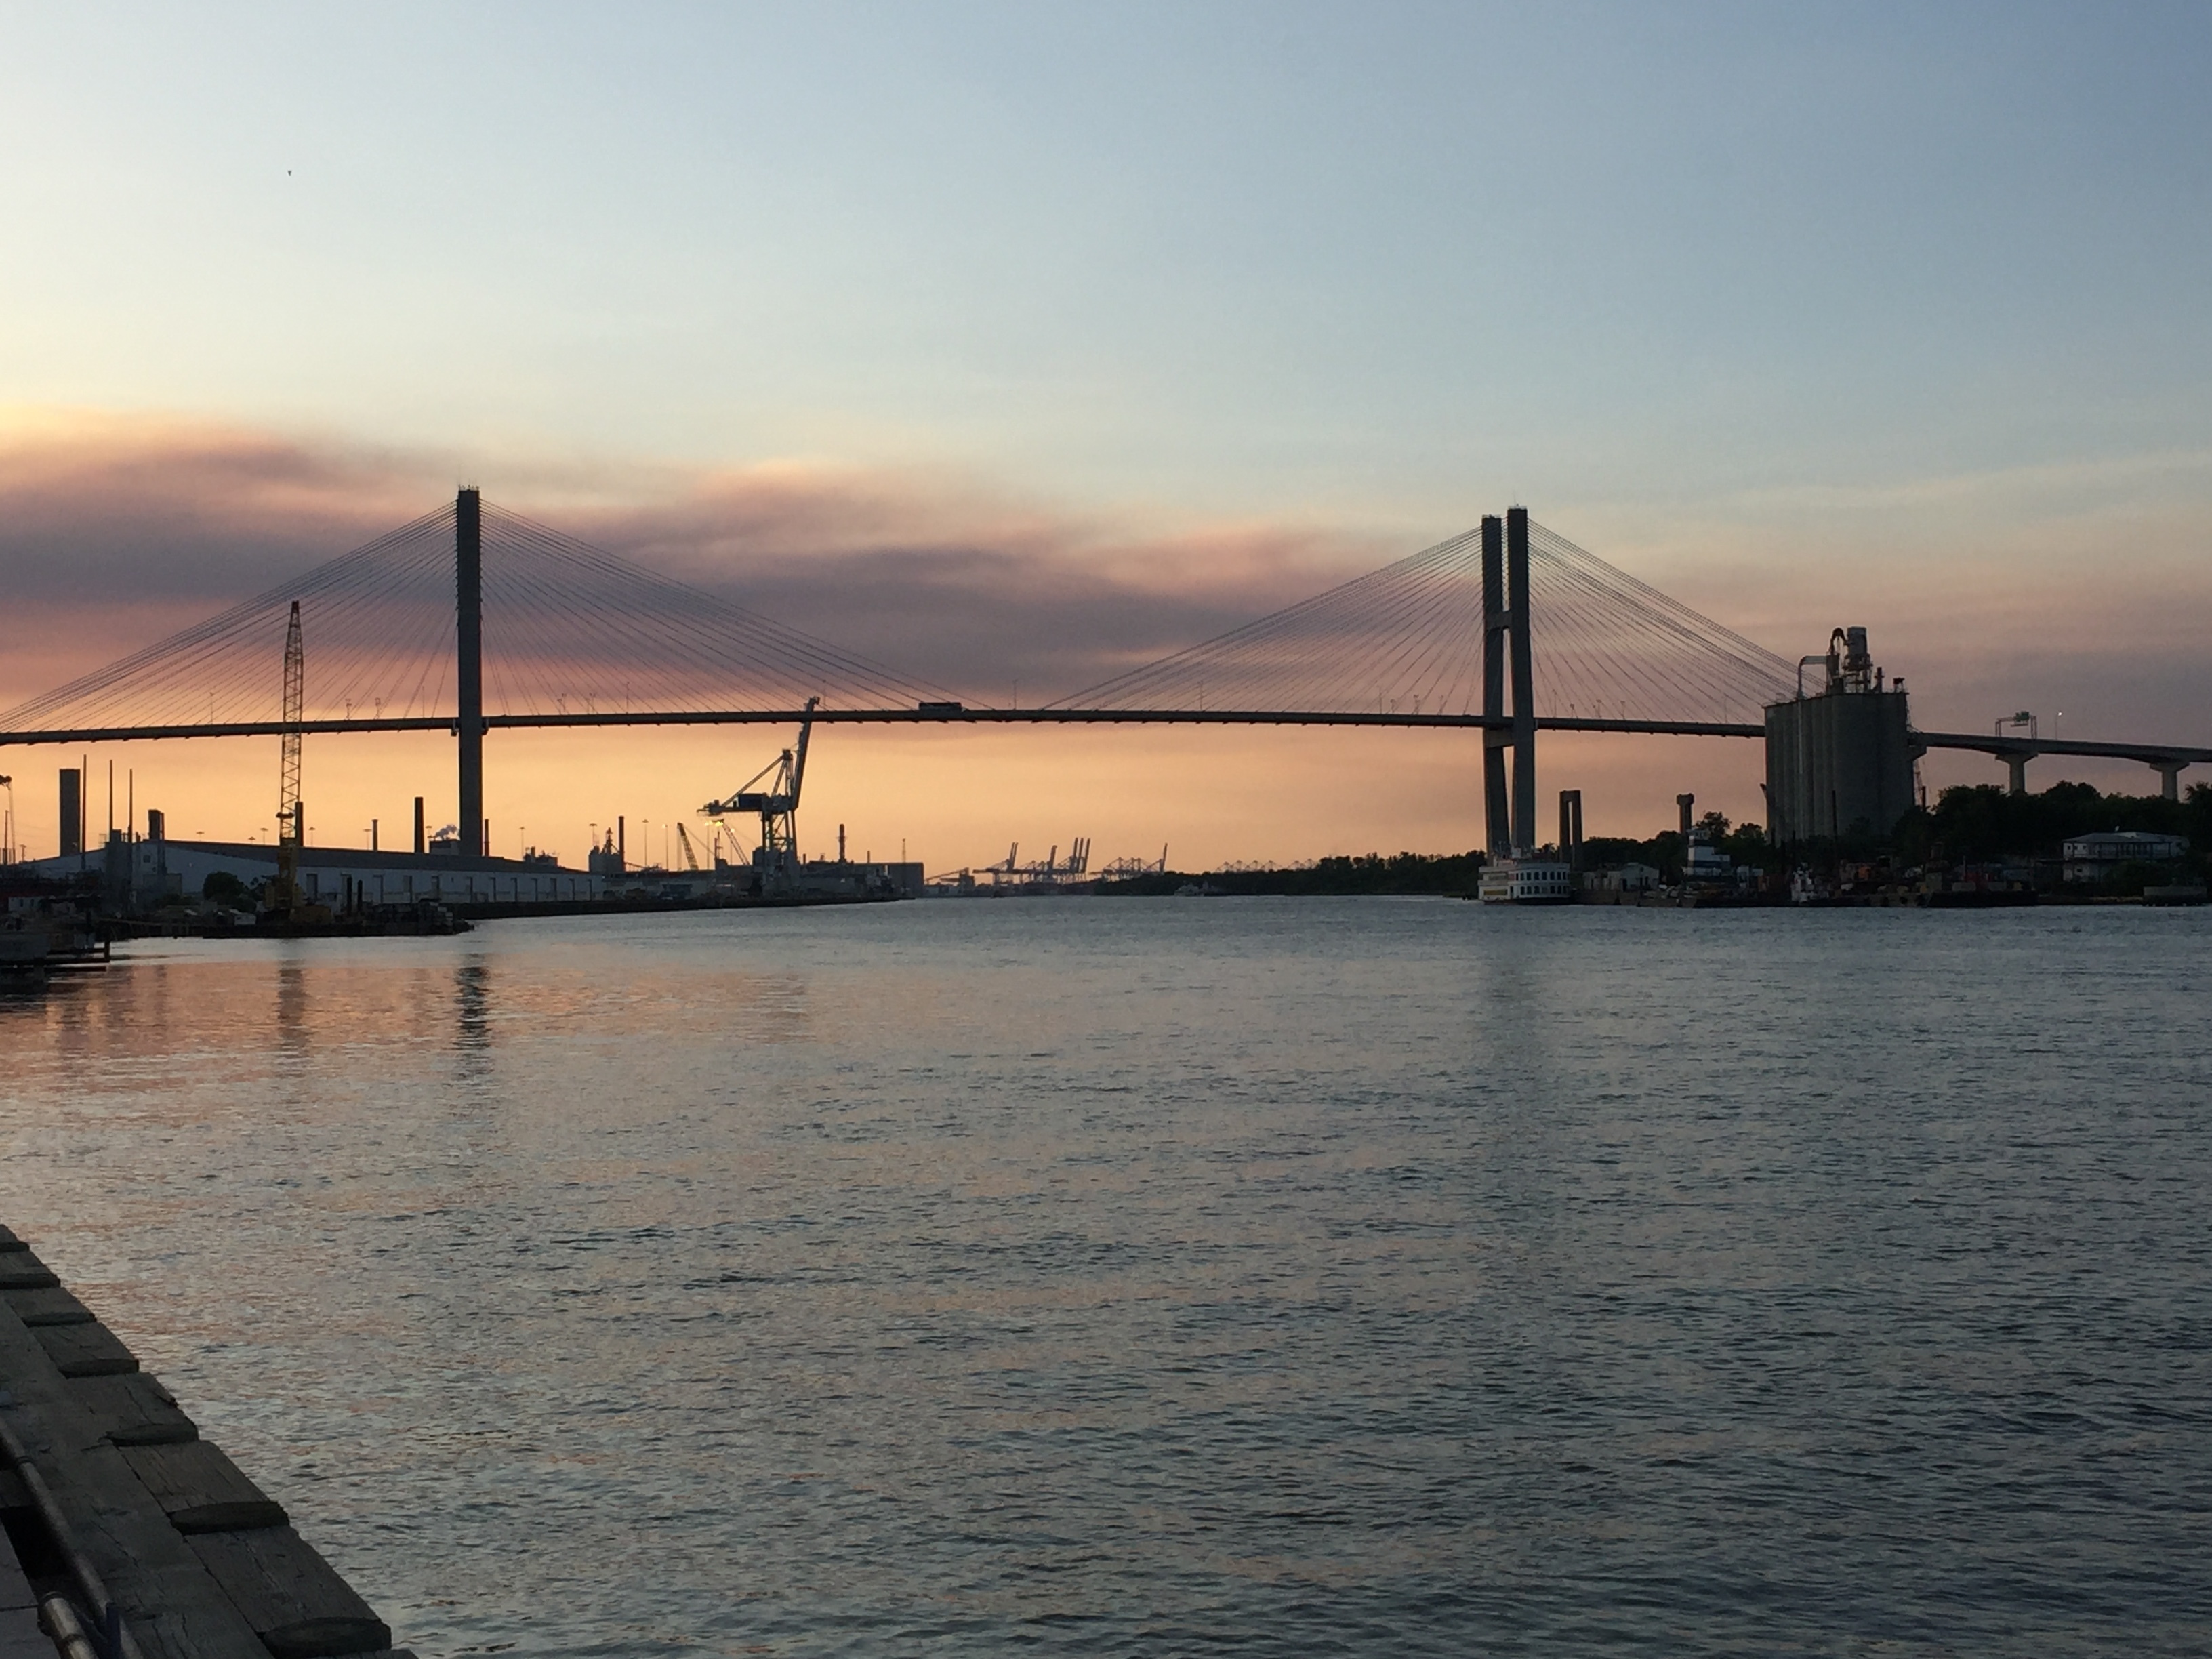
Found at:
<point>1686,802</point>
<point>420,846</point>
<point>72,811</point>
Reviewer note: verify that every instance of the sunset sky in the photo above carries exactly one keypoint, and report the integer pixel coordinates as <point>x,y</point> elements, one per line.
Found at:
<point>1084,330</point>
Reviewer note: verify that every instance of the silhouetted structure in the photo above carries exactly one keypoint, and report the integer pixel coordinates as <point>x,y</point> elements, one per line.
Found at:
<point>473,619</point>
<point>1839,762</point>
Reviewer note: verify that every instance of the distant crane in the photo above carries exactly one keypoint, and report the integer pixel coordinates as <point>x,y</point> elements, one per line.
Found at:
<point>1122,869</point>
<point>1050,872</point>
<point>777,859</point>
<point>684,841</point>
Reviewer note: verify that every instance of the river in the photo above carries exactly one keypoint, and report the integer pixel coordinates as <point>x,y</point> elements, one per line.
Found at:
<point>1268,1277</point>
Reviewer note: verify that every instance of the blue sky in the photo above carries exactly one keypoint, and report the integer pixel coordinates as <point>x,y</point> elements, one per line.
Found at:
<point>1812,315</point>
<point>1377,261</point>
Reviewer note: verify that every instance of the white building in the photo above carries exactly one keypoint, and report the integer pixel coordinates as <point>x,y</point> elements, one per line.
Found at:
<point>1622,878</point>
<point>2092,857</point>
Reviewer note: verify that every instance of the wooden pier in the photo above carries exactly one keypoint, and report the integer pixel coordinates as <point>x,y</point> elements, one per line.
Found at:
<point>127,1536</point>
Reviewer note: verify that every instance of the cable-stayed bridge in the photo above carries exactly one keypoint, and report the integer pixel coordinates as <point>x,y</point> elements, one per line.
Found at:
<point>574,634</point>
<point>473,619</point>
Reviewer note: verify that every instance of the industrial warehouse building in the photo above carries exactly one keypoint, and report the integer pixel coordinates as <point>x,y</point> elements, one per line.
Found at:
<point>163,868</point>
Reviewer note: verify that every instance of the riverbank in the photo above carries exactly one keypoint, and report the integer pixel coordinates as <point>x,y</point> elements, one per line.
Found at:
<point>123,1525</point>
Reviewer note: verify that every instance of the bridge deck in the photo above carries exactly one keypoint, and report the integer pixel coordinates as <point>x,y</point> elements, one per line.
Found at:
<point>2004,747</point>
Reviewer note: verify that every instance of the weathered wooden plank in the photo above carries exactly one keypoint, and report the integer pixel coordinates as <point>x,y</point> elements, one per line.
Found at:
<point>15,1592</point>
<point>201,1490</point>
<point>52,1305</point>
<point>21,1636</point>
<point>294,1599</point>
<point>85,1350</point>
<point>170,1603</point>
<point>132,1410</point>
<point>19,1270</point>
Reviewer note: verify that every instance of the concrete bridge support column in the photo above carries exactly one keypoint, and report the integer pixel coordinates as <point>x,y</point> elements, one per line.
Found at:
<point>1497,822</point>
<point>1524,681</point>
<point>2018,764</point>
<point>468,633</point>
<point>2169,778</point>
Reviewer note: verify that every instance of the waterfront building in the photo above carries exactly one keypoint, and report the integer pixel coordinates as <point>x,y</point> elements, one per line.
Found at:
<point>2092,857</point>
<point>153,870</point>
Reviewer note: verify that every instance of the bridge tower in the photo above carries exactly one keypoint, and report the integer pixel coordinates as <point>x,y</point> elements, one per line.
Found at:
<point>291,814</point>
<point>1498,823</point>
<point>1510,820</point>
<point>1524,683</point>
<point>468,636</point>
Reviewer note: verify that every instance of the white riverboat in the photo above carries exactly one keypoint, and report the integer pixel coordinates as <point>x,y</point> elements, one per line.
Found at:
<point>1527,881</point>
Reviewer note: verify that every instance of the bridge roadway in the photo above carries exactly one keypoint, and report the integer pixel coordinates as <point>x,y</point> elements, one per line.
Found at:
<point>2164,758</point>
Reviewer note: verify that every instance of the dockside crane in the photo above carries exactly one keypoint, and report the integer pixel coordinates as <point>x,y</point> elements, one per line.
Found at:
<point>777,858</point>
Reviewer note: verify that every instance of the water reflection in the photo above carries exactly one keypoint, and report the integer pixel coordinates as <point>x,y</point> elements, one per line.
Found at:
<point>294,1039</point>
<point>1343,1278</point>
<point>472,1018</point>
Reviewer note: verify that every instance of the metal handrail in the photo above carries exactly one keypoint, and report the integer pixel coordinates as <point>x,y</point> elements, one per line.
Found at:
<point>114,1641</point>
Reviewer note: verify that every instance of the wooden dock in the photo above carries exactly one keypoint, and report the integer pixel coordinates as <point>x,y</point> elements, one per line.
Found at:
<point>127,1536</point>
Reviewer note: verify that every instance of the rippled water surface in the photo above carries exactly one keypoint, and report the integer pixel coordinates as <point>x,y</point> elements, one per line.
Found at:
<point>1201,1276</point>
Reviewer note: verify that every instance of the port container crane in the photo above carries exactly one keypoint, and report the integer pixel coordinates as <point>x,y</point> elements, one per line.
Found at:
<point>777,858</point>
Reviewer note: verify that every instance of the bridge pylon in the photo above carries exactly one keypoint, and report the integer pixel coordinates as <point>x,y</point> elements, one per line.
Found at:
<point>1496,812</point>
<point>1509,815</point>
<point>468,646</point>
<point>1524,682</point>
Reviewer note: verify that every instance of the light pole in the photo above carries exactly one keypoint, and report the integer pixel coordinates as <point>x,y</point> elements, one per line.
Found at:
<point>7,852</point>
